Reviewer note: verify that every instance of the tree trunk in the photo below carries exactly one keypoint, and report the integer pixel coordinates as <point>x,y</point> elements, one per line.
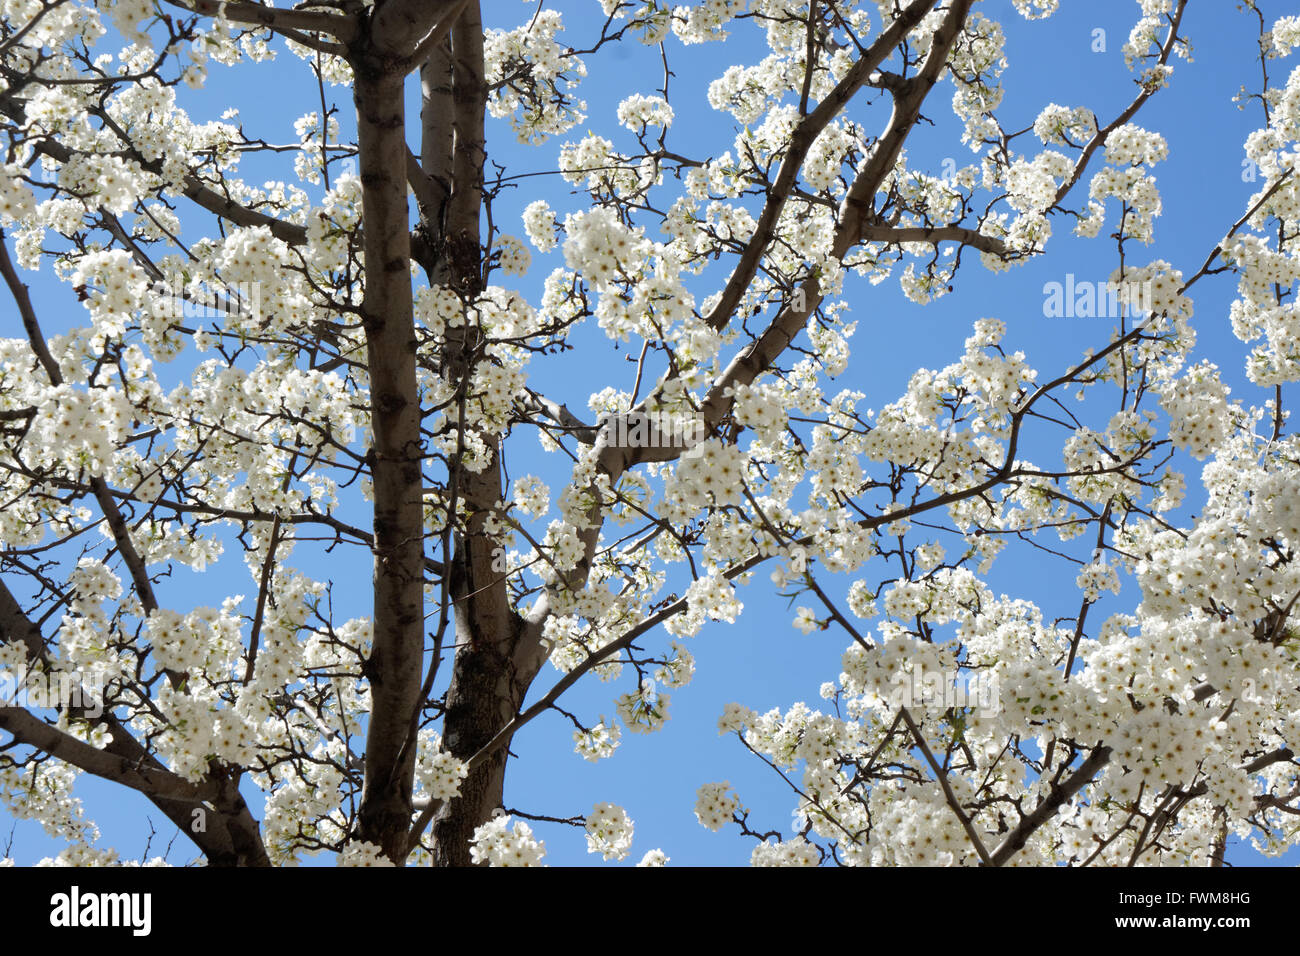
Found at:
<point>479,703</point>
<point>484,693</point>
<point>496,653</point>
<point>395,665</point>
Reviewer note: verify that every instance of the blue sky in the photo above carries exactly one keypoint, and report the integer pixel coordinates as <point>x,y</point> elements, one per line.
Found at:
<point>761,661</point>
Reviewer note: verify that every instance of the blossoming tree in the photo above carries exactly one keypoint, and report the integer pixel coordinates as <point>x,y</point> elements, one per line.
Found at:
<point>271,373</point>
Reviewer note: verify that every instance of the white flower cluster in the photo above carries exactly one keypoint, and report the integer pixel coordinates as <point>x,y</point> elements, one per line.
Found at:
<point>1130,145</point>
<point>705,21</point>
<point>713,474</point>
<point>1286,34</point>
<point>1036,9</point>
<point>1096,577</point>
<point>638,111</point>
<point>715,804</point>
<point>539,225</point>
<point>496,843</point>
<point>600,248</point>
<point>436,770</point>
<point>1062,126</point>
<point>609,831</point>
<point>514,257</point>
<point>360,853</point>
<point>531,77</point>
<point>713,598</point>
<point>598,742</point>
<point>16,200</point>
<point>797,852</point>
<point>644,710</point>
<point>531,496</point>
<point>1197,405</point>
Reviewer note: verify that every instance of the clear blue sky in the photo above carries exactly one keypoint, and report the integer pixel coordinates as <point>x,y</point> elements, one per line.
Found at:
<point>761,661</point>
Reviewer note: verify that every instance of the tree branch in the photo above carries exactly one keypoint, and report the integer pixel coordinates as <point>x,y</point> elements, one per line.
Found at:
<point>801,141</point>
<point>282,20</point>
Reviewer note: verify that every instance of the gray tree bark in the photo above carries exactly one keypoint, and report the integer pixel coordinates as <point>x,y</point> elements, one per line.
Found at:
<point>396,661</point>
